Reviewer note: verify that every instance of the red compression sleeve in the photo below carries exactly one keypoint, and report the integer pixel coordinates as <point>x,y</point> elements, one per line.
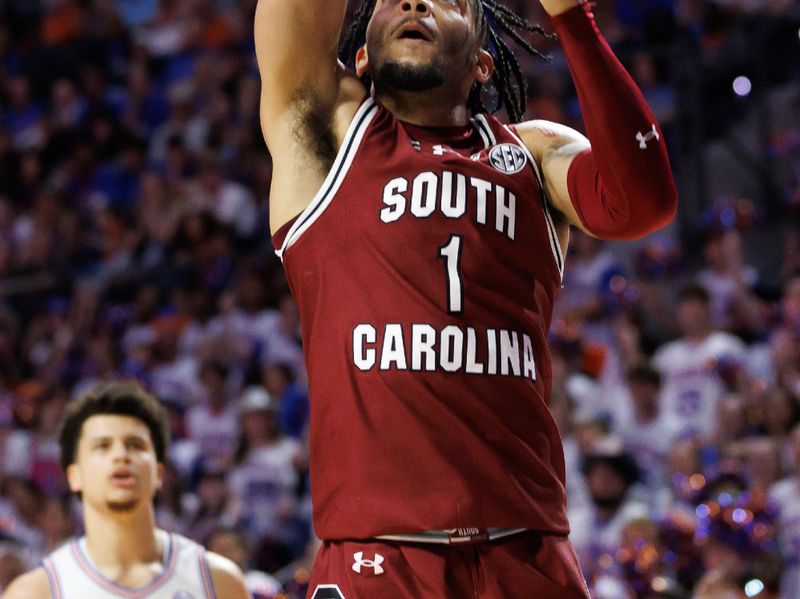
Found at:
<point>622,188</point>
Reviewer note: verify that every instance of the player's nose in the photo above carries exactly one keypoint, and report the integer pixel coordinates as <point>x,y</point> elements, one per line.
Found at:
<point>417,6</point>
<point>120,452</point>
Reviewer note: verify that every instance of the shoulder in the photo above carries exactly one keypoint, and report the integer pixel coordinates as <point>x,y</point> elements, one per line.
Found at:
<point>542,137</point>
<point>664,354</point>
<point>33,585</point>
<point>227,577</point>
<point>720,341</point>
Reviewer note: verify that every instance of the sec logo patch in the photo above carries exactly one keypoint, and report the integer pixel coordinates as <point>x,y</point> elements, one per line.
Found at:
<point>508,158</point>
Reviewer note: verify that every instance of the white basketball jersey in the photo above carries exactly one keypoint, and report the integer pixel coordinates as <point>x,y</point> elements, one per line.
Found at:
<point>185,576</point>
<point>692,384</point>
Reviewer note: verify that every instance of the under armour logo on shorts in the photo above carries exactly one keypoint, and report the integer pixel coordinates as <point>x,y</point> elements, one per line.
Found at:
<point>643,139</point>
<point>375,564</point>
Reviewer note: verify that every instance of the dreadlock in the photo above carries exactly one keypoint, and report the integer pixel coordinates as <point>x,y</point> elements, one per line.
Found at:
<point>494,20</point>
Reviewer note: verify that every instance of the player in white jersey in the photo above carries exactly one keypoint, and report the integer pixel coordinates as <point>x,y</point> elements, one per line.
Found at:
<point>691,366</point>
<point>112,442</point>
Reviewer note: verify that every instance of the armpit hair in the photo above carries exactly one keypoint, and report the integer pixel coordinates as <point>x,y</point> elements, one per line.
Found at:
<point>313,127</point>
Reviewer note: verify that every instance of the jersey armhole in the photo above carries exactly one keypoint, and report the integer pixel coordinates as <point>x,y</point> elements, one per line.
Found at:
<point>52,578</point>
<point>205,573</point>
<point>552,231</point>
<point>280,234</point>
<point>338,172</point>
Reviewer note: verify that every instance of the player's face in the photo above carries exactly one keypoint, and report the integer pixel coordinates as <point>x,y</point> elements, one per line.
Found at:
<point>417,45</point>
<point>116,468</point>
<point>693,315</point>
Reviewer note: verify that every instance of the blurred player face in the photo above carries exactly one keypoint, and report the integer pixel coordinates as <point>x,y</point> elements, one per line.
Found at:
<point>116,468</point>
<point>645,398</point>
<point>419,45</point>
<point>606,486</point>
<point>693,316</point>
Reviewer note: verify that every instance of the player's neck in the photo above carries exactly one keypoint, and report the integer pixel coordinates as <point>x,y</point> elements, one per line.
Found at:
<point>116,542</point>
<point>427,109</point>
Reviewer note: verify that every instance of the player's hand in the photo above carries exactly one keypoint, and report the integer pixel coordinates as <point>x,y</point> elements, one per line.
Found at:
<point>556,7</point>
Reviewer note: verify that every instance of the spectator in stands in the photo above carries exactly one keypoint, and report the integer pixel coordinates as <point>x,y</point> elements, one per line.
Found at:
<point>265,481</point>
<point>213,424</point>
<point>647,434</point>
<point>691,366</point>
<point>786,497</point>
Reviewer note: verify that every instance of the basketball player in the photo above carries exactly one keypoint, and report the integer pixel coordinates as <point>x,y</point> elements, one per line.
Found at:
<point>113,441</point>
<point>424,243</point>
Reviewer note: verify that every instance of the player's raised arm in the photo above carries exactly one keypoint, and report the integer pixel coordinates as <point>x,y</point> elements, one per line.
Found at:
<point>296,44</point>
<point>621,187</point>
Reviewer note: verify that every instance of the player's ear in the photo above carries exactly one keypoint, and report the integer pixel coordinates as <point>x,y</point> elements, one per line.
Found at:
<point>74,479</point>
<point>362,61</point>
<point>483,69</point>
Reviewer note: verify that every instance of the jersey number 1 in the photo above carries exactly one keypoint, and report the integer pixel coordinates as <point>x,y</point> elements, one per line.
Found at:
<point>451,252</point>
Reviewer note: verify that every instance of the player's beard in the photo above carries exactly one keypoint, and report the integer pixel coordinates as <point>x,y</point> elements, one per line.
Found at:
<point>395,76</point>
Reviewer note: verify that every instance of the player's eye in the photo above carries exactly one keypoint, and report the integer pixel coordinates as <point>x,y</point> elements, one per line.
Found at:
<point>136,444</point>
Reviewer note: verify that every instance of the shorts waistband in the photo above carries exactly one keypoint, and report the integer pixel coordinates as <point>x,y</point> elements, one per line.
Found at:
<point>454,535</point>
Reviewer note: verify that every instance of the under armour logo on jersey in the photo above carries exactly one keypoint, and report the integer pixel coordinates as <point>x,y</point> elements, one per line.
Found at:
<point>375,564</point>
<point>508,158</point>
<point>416,145</point>
<point>643,139</point>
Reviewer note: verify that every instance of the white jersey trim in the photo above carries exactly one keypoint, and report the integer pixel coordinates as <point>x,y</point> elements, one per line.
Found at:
<point>341,166</point>
<point>52,578</point>
<point>485,130</point>
<point>551,228</point>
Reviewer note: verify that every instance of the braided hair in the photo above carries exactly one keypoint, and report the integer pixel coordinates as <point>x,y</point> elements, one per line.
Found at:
<point>494,20</point>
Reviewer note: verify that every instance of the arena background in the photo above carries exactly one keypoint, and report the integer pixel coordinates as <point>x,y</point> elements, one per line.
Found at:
<point>133,243</point>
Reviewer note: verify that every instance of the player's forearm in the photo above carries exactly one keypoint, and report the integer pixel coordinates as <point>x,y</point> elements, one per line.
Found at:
<point>321,19</point>
<point>622,188</point>
<point>297,40</point>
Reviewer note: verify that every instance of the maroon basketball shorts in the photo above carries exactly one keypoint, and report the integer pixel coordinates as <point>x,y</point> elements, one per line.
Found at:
<point>525,565</point>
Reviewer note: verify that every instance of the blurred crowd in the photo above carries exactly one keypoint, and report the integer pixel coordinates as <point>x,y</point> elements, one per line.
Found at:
<point>134,242</point>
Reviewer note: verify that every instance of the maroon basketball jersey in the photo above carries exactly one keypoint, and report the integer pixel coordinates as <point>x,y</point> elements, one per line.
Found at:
<point>425,272</point>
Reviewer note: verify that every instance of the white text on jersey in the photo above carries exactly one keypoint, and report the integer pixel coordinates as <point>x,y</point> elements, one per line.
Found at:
<point>420,348</point>
<point>453,194</point>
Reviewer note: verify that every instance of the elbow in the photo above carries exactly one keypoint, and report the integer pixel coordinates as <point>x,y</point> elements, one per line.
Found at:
<point>667,205</point>
<point>646,214</point>
<point>663,209</point>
